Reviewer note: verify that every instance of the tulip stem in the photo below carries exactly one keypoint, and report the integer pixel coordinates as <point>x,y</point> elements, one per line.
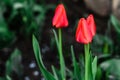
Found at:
<point>86,47</point>
<point>62,63</point>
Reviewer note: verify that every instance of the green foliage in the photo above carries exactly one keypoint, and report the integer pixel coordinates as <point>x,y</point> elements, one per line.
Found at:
<point>94,67</point>
<point>98,73</point>
<point>47,75</point>
<point>115,22</point>
<point>6,36</point>
<point>112,67</point>
<point>76,74</point>
<point>14,63</point>
<point>21,17</point>
<point>5,78</point>
<point>102,44</point>
<point>59,46</point>
<point>56,73</point>
<point>88,63</point>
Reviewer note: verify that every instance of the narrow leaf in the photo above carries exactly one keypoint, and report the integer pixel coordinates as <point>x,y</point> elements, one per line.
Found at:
<point>14,63</point>
<point>90,67</point>
<point>75,65</point>
<point>115,23</point>
<point>8,78</point>
<point>36,48</point>
<point>55,74</point>
<point>56,38</point>
<point>94,67</point>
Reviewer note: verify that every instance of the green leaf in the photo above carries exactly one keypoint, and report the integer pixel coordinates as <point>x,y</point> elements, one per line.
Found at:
<point>14,63</point>
<point>59,47</point>
<point>6,36</point>
<point>18,5</point>
<point>102,41</point>
<point>56,38</point>
<point>94,67</point>
<point>90,67</point>
<point>112,67</point>
<point>47,75</point>
<point>77,71</point>
<point>98,74</point>
<point>8,78</point>
<point>55,73</point>
<point>70,73</point>
<point>115,23</point>
<point>3,78</point>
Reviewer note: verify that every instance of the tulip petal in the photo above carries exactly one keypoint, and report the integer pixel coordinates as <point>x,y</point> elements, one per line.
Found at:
<point>57,15</point>
<point>91,24</point>
<point>83,34</point>
<point>60,17</point>
<point>63,21</point>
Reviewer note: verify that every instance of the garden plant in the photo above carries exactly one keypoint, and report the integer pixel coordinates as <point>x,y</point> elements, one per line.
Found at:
<point>84,34</point>
<point>59,40</point>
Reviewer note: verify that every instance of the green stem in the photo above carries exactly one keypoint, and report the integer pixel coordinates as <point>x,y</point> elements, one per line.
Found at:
<point>62,63</point>
<point>86,47</point>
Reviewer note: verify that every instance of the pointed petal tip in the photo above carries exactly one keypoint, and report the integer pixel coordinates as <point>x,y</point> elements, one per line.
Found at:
<point>60,18</point>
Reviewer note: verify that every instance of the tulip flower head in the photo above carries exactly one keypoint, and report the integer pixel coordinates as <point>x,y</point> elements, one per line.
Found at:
<point>60,17</point>
<point>86,30</point>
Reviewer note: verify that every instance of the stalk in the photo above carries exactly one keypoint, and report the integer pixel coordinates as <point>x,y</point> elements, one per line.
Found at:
<point>86,47</point>
<point>62,63</point>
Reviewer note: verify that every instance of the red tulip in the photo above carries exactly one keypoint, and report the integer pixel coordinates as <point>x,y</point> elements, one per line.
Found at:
<point>60,18</point>
<point>86,30</point>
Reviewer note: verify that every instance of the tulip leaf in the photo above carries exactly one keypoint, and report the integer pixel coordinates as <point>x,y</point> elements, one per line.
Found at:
<point>8,78</point>
<point>77,71</point>
<point>47,75</point>
<point>56,38</point>
<point>90,67</point>
<point>98,73</point>
<point>115,23</point>
<point>59,47</point>
<point>94,67</point>
<point>56,73</point>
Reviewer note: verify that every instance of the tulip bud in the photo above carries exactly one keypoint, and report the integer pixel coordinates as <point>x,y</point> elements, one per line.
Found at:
<point>86,30</point>
<point>60,18</point>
